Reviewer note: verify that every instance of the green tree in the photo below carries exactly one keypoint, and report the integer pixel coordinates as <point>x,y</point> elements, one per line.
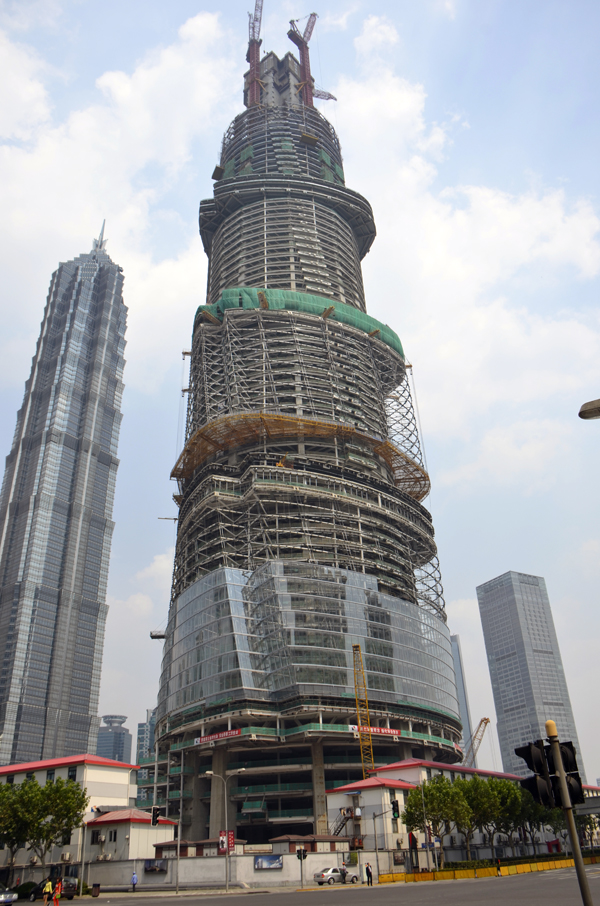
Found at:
<point>507,806</point>
<point>438,797</point>
<point>56,809</point>
<point>13,821</point>
<point>483,807</point>
<point>532,817</point>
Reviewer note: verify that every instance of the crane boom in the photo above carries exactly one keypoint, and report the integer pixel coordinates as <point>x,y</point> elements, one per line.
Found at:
<point>362,713</point>
<point>310,27</point>
<point>475,742</point>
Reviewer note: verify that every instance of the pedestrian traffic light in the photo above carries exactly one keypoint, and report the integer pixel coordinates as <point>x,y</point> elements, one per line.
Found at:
<point>301,854</point>
<point>574,782</point>
<point>540,785</point>
<point>155,814</point>
<point>395,808</point>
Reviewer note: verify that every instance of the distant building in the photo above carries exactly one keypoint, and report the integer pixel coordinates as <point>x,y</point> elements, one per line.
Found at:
<point>463,698</point>
<point>145,735</point>
<point>114,740</point>
<point>528,679</point>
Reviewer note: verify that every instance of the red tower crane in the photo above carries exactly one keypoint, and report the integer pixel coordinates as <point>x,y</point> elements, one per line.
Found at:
<point>253,55</point>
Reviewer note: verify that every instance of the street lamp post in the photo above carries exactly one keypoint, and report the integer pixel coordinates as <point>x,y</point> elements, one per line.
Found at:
<point>225,781</point>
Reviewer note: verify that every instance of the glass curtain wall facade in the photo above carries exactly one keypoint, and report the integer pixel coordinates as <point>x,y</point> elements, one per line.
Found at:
<point>526,670</point>
<point>301,524</point>
<point>56,517</point>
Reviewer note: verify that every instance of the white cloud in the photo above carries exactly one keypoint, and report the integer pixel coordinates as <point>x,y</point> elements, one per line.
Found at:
<point>331,22</point>
<point>378,34</point>
<point>452,269</point>
<point>526,453</point>
<point>24,103</point>
<point>22,15</point>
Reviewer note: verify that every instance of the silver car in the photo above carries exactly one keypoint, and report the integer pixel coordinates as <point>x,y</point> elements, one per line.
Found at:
<point>7,896</point>
<point>333,875</point>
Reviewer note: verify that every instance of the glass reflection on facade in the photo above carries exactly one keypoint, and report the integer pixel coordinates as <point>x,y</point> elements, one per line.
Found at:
<point>56,517</point>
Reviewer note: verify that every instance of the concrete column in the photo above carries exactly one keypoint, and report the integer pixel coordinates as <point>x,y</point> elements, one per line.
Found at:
<point>217,792</point>
<point>319,797</point>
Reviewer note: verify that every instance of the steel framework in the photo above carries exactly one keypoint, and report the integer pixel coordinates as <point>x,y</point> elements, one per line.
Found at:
<point>362,713</point>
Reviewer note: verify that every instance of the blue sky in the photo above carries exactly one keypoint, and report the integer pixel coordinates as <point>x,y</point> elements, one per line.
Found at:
<point>472,127</point>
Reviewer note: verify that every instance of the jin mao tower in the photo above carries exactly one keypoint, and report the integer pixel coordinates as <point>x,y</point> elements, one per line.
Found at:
<point>56,516</point>
<point>301,525</point>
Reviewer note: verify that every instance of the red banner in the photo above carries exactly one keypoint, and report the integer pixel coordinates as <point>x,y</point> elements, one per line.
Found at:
<point>231,840</point>
<point>382,731</point>
<point>224,735</point>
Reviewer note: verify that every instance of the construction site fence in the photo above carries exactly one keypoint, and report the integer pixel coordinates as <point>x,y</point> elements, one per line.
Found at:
<point>462,873</point>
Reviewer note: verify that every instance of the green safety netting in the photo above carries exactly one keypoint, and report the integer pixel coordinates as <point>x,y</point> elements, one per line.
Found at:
<point>247,297</point>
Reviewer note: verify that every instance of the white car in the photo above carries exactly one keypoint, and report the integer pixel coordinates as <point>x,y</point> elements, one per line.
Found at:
<point>333,875</point>
<point>7,896</point>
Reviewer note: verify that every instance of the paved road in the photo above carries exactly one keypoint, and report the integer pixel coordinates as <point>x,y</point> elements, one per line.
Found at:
<point>548,888</point>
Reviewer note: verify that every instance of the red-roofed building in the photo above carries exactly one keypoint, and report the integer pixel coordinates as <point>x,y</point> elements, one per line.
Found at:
<point>126,834</point>
<point>111,785</point>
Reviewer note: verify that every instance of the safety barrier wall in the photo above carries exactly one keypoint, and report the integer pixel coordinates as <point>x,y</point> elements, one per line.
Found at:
<point>460,874</point>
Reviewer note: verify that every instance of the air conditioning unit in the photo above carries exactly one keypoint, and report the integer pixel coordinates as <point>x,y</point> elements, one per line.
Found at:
<point>65,857</point>
<point>102,838</point>
<point>108,856</point>
<point>282,739</point>
<point>396,739</point>
<point>356,735</point>
<point>253,736</point>
<point>32,860</point>
<point>211,745</point>
<point>100,857</point>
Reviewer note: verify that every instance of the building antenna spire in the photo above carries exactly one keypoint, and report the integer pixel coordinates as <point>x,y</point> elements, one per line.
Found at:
<point>101,241</point>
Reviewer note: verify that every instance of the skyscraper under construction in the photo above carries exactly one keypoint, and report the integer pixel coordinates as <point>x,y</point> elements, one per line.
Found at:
<point>56,516</point>
<point>301,526</point>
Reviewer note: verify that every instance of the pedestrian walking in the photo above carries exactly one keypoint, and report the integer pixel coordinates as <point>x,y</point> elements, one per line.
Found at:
<point>134,880</point>
<point>498,867</point>
<point>369,872</point>
<point>343,873</point>
<point>57,891</point>
<point>47,890</point>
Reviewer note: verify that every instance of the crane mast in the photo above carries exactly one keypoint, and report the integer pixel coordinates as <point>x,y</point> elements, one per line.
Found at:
<point>301,42</point>
<point>253,55</point>
<point>362,713</point>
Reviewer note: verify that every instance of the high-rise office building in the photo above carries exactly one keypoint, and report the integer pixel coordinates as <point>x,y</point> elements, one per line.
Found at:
<point>528,679</point>
<point>56,516</point>
<point>114,739</point>
<point>301,526</point>
<point>145,735</point>
<point>463,695</point>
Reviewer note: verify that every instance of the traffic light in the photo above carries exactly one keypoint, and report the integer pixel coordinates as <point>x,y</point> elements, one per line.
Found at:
<point>301,854</point>
<point>395,808</point>
<point>155,814</point>
<point>540,785</point>
<point>574,782</point>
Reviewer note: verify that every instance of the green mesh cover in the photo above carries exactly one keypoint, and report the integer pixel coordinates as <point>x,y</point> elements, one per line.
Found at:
<point>247,297</point>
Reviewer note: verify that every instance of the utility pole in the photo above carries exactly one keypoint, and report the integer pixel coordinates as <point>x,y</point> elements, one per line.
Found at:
<point>584,886</point>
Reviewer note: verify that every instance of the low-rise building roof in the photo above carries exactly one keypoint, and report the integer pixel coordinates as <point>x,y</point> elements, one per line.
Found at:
<point>30,766</point>
<point>442,766</point>
<point>311,838</point>
<point>131,815</point>
<point>372,783</point>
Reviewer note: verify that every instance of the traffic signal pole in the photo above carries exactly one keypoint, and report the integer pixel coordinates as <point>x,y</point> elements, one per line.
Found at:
<point>584,886</point>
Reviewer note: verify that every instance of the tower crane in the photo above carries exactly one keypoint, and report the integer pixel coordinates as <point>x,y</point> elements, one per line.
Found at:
<point>475,742</point>
<point>253,55</point>
<point>301,41</point>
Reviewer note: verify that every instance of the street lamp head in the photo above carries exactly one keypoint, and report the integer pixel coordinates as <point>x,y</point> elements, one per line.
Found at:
<point>209,772</point>
<point>590,410</point>
<point>240,770</point>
